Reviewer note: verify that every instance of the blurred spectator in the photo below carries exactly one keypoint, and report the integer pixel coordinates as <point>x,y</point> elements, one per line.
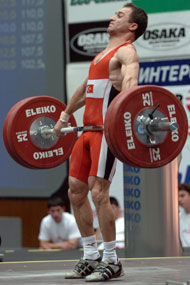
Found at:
<point>184,214</point>
<point>119,224</point>
<point>58,230</point>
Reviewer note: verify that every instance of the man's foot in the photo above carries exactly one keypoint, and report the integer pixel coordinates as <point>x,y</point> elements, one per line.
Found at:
<point>105,270</point>
<point>82,268</point>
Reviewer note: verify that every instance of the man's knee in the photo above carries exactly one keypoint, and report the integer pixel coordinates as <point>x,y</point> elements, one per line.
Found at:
<point>78,190</point>
<point>99,191</point>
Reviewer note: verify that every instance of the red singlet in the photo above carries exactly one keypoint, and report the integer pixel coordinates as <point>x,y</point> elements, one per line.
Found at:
<point>91,155</point>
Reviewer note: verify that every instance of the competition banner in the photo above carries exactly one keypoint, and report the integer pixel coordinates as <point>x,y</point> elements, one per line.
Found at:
<point>167,35</point>
<point>173,75</point>
<point>92,10</point>
<point>87,40</point>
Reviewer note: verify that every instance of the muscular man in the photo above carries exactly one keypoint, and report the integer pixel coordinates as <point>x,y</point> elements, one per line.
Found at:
<point>92,165</point>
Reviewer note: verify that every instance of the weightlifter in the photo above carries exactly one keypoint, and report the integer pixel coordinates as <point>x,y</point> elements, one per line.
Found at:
<point>92,165</point>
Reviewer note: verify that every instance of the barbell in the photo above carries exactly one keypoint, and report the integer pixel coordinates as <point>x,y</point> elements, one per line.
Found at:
<point>145,126</point>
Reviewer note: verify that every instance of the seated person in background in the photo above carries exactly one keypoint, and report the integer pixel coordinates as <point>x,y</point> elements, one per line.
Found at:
<point>119,225</point>
<point>58,230</point>
<point>184,214</point>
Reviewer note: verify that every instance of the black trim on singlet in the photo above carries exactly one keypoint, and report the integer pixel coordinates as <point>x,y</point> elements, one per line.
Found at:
<point>113,93</point>
<point>109,164</point>
<point>110,157</point>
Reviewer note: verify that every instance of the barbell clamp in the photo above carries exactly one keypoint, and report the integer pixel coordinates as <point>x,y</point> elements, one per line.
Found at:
<point>156,126</point>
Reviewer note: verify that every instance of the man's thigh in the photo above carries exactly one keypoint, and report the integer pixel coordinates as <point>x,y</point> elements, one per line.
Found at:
<point>92,157</point>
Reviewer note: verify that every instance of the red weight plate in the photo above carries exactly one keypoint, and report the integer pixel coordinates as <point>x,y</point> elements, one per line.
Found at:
<point>9,150</point>
<point>33,150</point>
<point>109,133</point>
<point>124,110</point>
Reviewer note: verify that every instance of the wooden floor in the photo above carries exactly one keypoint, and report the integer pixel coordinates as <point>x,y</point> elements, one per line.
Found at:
<point>38,267</point>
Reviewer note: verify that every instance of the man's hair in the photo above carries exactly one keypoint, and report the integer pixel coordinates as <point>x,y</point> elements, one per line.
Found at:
<point>185,187</point>
<point>138,16</point>
<point>55,201</point>
<point>114,201</point>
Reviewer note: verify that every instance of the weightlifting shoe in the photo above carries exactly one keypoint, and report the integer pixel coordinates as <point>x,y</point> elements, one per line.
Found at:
<point>83,268</point>
<point>105,270</point>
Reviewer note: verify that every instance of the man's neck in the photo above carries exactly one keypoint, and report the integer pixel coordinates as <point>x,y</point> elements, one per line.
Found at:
<point>116,40</point>
<point>114,43</point>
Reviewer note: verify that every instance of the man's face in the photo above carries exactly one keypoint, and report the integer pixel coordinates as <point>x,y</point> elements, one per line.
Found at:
<point>56,213</point>
<point>119,23</point>
<point>184,200</point>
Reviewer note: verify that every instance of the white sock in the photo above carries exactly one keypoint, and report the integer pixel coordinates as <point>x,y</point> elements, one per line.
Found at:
<point>90,248</point>
<point>110,252</point>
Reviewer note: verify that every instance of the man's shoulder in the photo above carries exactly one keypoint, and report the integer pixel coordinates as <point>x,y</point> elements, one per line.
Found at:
<point>128,47</point>
<point>127,53</point>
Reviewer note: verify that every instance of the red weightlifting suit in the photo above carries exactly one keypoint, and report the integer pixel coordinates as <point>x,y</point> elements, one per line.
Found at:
<point>91,155</point>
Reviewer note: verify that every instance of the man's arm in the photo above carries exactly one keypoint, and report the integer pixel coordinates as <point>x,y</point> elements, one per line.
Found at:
<point>77,101</point>
<point>70,244</point>
<point>129,60</point>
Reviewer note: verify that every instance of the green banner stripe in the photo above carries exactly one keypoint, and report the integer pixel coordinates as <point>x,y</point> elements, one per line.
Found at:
<point>156,6</point>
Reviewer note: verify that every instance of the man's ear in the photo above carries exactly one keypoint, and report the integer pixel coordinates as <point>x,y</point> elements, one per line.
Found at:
<point>133,27</point>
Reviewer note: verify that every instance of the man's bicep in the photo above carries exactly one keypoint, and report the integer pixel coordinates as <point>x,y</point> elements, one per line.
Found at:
<point>130,75</point>
<point>129,62</point>
<point>131,69</point>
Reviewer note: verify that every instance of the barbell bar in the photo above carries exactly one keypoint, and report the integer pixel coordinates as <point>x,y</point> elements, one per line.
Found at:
<point>145,126</point>
<point>45,130</point>
<point>153,126</point>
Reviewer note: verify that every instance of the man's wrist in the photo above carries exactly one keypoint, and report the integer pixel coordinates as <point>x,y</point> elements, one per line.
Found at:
<point>64,117</point>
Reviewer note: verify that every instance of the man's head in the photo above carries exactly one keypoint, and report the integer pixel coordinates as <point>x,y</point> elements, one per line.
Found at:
<point>138,16</point>
<point>184,196</point>
<point>116,207</point>
<point>129,19</point>
<point>56,208</point>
